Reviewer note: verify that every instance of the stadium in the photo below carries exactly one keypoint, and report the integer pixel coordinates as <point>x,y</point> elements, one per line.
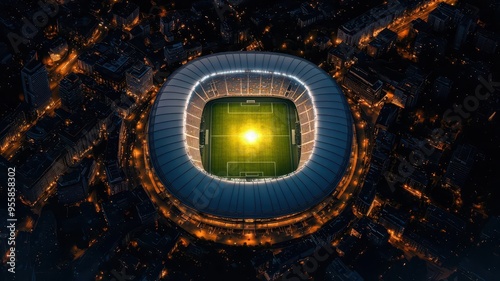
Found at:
<point>249,141</point>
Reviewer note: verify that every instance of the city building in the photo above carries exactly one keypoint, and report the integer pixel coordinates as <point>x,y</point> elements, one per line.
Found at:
<point>45,245</point>
<point>156,41</point>
<point>71,92</point>
<point>200,8</point>
<point>439,21</point>
<point>366,196</point>
<point>360,82</point>
<point>144,206</point>
<point>170,22</point>
<point>139,31</point>
<point>411,86</point>
<point>175,53</point>
<point>322,42</point>
<point>87,266</point>
<point>35,82</point>
<point>116,179</point>
<point>464,29</point>
<point>340,56</point>
<point>428,45</point>
<point>387,116</point>
<point>339,271</point>
<point>487,41</point>
<point>233,31</point>
<point>10,124</point>
<point>460,165</point>
<point>446,16</point>
<point>5,55</point>
<point>79,134</point>
<point>491,229</point>
<point>382,43</point>
<point>114,208</point>
<point>78,30</point>
<point>193,50</point>
<point>364,26</point>
<point>58,49</point>
<point>442,87</point>
<point>394,220</point>
<point>440,220</point>
<point>309,18</point>
<point>43,128</point>
<point>38,172</point>
<point>139,79</point>
<point>125,14</point>
<point>111,71</point>
<point>384,144</point>
<point>374,232</point>
<point>235,2</point>
<point>73,186</point>
<point>418,26</point>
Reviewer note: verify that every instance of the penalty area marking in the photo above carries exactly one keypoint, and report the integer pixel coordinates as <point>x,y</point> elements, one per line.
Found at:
<point>252,162</point>
<point>252,174</point>
<point>215,136</point>
<point>251,105</point>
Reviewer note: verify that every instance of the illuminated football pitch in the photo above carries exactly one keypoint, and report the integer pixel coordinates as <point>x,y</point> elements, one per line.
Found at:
<point>249,137</point>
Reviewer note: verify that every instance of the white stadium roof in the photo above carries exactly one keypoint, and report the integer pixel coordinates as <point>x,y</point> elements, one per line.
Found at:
<point>264,198</point>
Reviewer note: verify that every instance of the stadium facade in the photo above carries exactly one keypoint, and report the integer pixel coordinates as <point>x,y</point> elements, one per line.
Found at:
<point>174,139</point>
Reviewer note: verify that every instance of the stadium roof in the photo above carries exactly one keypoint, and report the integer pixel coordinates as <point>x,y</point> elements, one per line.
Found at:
<point>264,198</point>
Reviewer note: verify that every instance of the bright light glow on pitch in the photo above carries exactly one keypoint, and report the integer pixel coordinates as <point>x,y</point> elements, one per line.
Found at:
<point>251,136</point>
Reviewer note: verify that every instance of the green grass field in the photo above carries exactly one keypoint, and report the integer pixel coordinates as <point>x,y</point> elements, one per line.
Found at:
<point>249,137</point>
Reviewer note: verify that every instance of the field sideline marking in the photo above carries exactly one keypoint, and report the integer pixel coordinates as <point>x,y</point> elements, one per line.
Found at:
<point>290,142</point>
